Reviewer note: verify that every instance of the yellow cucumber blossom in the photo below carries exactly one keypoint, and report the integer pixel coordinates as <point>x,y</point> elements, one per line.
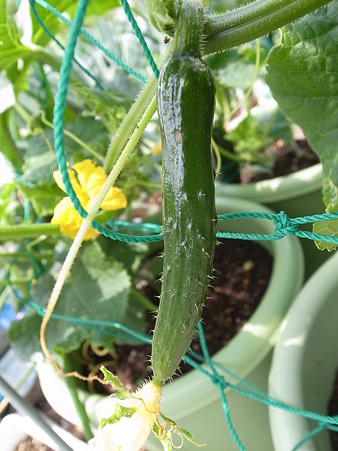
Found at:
<point>132,421</point>
<point>87,180</point>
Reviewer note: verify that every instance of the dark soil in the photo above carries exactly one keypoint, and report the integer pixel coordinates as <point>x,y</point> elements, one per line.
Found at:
<point>30,444</point>
<point>332,411</point>
<point>287,161</point>
<point>242,273</point>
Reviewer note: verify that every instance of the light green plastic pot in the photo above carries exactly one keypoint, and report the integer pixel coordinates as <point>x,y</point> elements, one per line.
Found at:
<point>297,194</point>
<point>305,361</point>
<point>192,400</point>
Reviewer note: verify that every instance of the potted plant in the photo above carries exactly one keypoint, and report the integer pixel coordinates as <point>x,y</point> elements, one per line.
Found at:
<point>305,363</point>
<point>238,28</point>
<point>247,355</point>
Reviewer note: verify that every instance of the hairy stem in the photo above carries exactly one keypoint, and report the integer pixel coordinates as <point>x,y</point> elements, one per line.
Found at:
<point>18,232</point>
<point>130,121</point>
<point>83,230</point>
<point>252,21</point>
<point>129,124</point>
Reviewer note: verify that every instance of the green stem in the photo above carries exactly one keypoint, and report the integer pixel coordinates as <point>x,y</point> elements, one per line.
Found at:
<point>80,409</point>
<point>249,91</point>
<point>22,112</point>
<point>25,256</point>
<point>18,232</point>
<point>130,122</point>
<point>227,154</point>
<point>145,184</point>
<point>143,300</point>
<point>251,21</point>
<point>189,29</point>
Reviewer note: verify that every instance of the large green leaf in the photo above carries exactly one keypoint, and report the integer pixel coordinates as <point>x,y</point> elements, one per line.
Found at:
<point>303,76</point>
<point>97,289</point>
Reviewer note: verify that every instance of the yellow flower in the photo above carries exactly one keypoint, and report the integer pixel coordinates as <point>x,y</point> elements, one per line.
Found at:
<point>129,430</point>
<point>87,180</point>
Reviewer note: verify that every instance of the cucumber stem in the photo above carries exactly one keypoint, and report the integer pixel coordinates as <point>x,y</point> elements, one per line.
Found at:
<point>188,40</point>
<point>253,20</point>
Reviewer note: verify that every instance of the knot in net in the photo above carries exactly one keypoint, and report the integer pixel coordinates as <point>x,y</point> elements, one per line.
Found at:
<point>284,225</point>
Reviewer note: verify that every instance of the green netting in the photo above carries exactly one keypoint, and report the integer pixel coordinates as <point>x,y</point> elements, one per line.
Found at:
<point>283,225</point>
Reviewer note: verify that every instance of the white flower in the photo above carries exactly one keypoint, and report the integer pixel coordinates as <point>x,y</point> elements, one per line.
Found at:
<point>130,425</point>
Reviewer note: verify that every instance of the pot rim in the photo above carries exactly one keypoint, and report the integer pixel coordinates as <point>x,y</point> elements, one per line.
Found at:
<point>279,188</point>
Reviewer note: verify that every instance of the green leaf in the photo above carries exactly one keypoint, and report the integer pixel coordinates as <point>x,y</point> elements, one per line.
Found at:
<point>97,289</point>
<point>119,412</point>
<point>329,228</point>
<point>9,204</point>
<point>11,48</point>
<point>129,254</point>
<point>19,332</point>
<point>250,138</point>
<point>112,379</point>
<point>181,431</point>
<point>186,434</point>
<point>135,319</point>
<point>7,146</point>
<point>122,395</point>
<point>40,160</point>
<point>109,106</point>
<point>303,76</point>
<point>43,197</point>
<point>90,131</point>
<point>232,69</point>
<point>55,25</point>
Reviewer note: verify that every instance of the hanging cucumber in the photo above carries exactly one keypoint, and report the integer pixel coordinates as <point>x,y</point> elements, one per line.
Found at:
<point>185,98</point>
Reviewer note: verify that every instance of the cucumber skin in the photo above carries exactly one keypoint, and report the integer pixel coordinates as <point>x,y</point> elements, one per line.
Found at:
<point>186,101</point>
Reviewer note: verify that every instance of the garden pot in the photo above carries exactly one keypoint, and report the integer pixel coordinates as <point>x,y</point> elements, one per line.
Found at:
<point>14,428</point>
<point>192,400</point>
<point>297,194</point>
<point>305,361</point>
